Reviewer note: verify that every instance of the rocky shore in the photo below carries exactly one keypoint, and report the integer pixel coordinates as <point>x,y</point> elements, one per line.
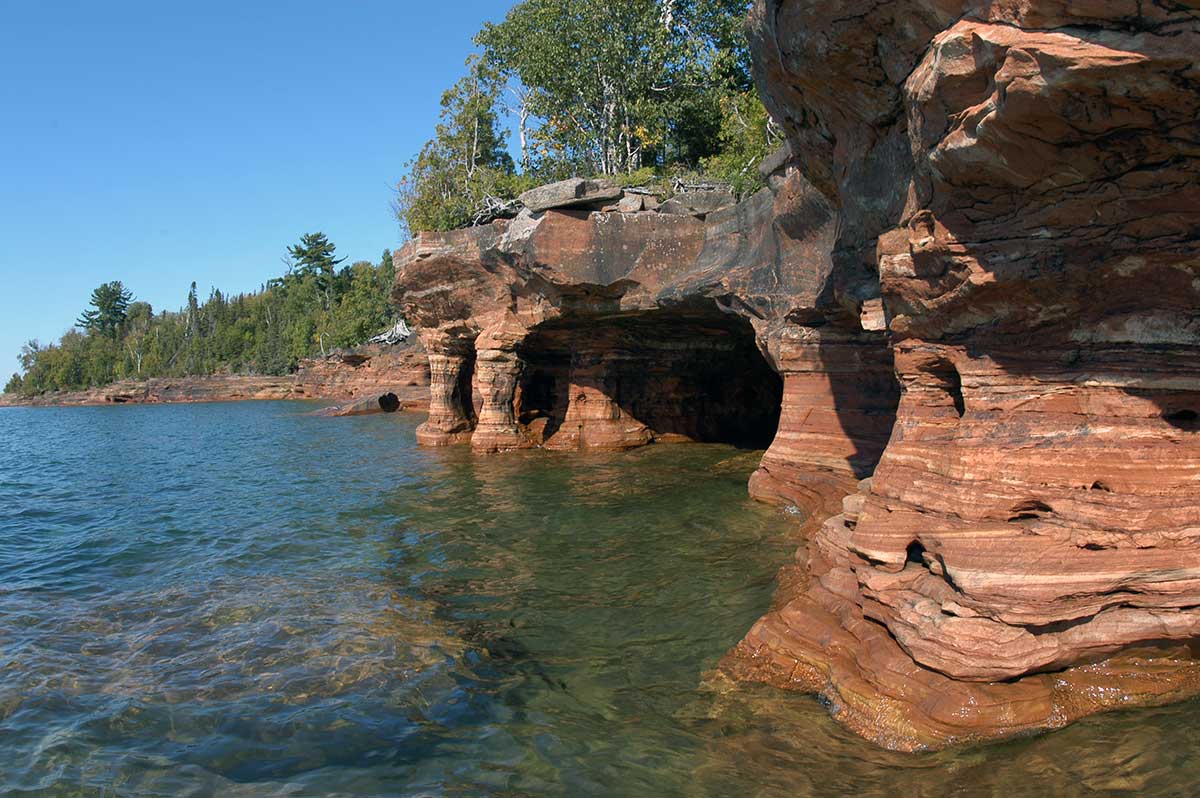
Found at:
<point>366,372</point>
<point>963,316</point>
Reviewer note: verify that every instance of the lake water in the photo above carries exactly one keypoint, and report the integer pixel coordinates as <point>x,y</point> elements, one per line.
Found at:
<point>246,600</point>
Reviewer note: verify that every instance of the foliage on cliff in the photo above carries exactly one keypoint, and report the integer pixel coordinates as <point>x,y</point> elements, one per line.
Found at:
<point>594,88</point>
<point>313,307</point>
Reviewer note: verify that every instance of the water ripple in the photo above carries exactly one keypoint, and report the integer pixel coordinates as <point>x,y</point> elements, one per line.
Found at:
<point>243,600</point>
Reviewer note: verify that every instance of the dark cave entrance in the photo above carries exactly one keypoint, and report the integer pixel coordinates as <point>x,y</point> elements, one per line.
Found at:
<point>690,373</point>
<point>464,396</point>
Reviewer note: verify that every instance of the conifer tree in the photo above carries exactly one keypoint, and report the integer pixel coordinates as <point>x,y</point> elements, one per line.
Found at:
<point>108,311</point>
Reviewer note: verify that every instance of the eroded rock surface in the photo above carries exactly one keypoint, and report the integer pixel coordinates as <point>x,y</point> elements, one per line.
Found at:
<point>987,211</point>
<point>1023,179</point>
<point>606,330</point>
<point>367,371</point>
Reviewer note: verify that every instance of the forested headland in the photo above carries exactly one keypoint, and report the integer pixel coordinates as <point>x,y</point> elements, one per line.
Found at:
<point>318,304</point>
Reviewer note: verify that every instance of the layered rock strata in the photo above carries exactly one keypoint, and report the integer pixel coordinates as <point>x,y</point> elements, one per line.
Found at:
<point>1022,177</point>
<point>989,212</point>
<point>369,371</point>
<point>577,329</point>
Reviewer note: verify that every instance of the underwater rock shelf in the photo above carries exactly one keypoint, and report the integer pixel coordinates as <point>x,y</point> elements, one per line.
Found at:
<point>964,317</point>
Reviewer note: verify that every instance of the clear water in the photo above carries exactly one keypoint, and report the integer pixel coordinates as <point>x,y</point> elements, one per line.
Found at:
<point>244,600</point>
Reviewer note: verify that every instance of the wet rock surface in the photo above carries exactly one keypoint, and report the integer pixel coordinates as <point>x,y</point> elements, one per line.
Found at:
<point>1022,179</point>
<point>975,273</point>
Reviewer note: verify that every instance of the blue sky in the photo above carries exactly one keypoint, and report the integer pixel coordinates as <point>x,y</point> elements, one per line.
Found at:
<point>159,143</point>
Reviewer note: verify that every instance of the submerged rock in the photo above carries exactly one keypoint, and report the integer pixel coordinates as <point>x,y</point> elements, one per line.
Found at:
<point>999,214</point>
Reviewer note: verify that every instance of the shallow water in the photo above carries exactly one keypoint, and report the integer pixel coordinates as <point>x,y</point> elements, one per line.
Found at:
<point>244,600</point>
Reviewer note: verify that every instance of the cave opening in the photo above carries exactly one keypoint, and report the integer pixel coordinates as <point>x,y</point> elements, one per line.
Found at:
<point>1186,419</point>
<point>464,391</point>
<point>690,373</point>
<point>915,553</point>
<point>950,381</point>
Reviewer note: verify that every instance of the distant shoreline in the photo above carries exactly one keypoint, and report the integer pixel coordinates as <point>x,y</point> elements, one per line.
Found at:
<point>221,388</point>
<point>369,372</point>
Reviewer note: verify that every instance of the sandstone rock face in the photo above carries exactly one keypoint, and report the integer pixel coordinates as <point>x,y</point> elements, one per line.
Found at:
<point>988,213</point>
<point>1020,181</point>
<point>591,330</point>
<point>368,371</point>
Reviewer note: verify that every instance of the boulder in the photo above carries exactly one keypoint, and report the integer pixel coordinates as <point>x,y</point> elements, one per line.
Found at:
<point>630,203</point>
<point>571,193</point>
<point>700,202</point>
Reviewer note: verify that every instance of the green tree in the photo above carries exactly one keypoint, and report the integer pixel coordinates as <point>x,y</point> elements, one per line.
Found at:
<point>13,385</point>
<point>265,332</point>
<point>608,88</point>
<point>746,136</point>
<point>314,256</point>
<point>465,167</point>
<point>109,307</point>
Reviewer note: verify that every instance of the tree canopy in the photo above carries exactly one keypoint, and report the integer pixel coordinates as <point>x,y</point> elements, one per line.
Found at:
<point>314,307</point>
<point>465,162</point>
<point>628,90</point>
<point>108,310</point>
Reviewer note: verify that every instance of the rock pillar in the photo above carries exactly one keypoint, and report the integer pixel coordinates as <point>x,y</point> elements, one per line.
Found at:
<point>839,404</point>
<point>451,411</point>
<point>498,372</point>
<point>595,418</point>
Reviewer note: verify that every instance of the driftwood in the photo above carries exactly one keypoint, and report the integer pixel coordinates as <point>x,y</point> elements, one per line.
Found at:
<point>385,403</point>
<point>495,208</point>
<point>398,334</point>
<point>679,185</point>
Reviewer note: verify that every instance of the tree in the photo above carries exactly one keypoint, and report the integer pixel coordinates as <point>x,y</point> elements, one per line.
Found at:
<point>108,311</point>
<point>465,169</point>
<point>138,323</point>
<point>14,384</point>
<point>746,136</point>
<point>29,354</point>
<point>614,87</point>
<point>314,256</point>
<point>629,90</point>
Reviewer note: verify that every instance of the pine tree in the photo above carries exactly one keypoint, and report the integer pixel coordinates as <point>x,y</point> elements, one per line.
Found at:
<point>314,256</point>
<point>108,311</point>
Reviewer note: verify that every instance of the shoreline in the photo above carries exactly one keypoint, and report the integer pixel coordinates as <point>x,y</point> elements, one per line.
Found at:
<point>342,378</point>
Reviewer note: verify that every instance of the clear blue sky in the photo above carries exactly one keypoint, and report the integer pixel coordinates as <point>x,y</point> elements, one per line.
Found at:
<point>159,143</point>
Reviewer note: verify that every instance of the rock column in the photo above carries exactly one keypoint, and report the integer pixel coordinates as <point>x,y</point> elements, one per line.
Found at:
<point>451,415</point>
<point>839,404</point>
<point>595,419</point>
<point>498,372</point>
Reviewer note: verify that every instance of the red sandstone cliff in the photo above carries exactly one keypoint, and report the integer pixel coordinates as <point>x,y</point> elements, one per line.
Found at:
<point>989,234</point>
<point>577,329</point>
<point>364,372</point>
<point>1023,179</point>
